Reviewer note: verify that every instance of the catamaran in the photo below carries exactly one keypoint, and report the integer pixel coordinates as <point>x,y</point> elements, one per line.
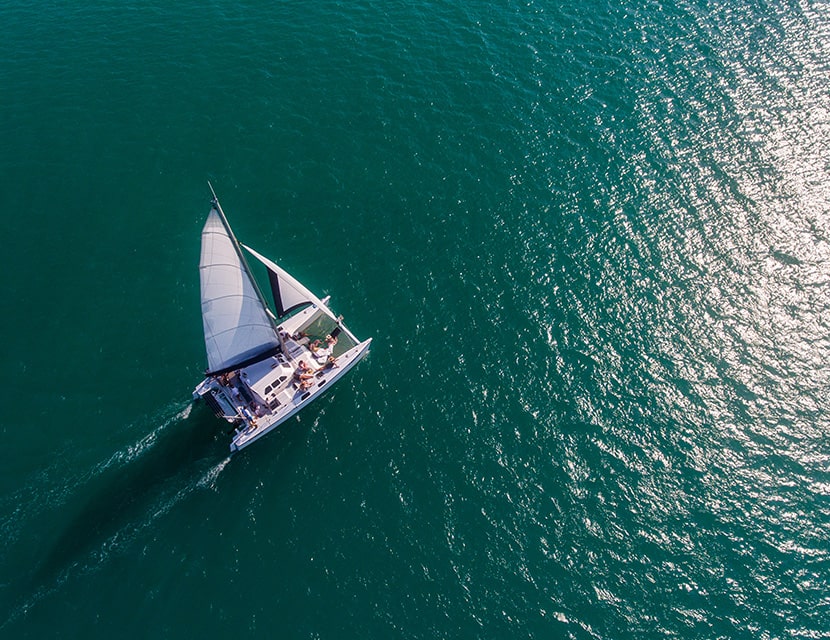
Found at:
<point>263,368</point>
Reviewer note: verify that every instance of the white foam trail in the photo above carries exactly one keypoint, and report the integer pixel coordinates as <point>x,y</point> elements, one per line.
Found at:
<point>184,414</point>
<point>209,479</point>
<point>136,450</point>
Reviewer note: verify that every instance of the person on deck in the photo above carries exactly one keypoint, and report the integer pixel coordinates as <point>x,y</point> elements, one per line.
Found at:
<point>303,371</point>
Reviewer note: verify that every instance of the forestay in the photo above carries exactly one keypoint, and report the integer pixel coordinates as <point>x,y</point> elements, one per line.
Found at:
<point>237,327</point>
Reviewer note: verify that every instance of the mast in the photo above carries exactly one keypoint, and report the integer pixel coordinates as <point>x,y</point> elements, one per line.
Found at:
<point>244,262</point>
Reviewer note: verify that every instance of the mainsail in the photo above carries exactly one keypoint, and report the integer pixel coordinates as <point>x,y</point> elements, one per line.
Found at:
<point>289,294</point>
<point>237,327</point>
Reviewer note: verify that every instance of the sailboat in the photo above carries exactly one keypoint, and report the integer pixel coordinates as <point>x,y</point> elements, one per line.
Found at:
<point>263,367</point>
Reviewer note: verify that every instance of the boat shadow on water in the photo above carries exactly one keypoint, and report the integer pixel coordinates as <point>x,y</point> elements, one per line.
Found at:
<point>110,510</point>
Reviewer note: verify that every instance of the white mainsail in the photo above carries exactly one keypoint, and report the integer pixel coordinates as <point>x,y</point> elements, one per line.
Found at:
<point>237,327</point>
<point>289,294</point>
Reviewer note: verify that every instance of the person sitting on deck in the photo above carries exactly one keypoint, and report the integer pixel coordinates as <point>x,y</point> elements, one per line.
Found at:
<point>303,372</point>
<point>304,375</point>
<point>322,355</point>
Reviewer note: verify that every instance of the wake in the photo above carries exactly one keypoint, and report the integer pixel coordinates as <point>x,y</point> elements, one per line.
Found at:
<point>122,497</point>
<point>145,444</point>
<point>49,488</point>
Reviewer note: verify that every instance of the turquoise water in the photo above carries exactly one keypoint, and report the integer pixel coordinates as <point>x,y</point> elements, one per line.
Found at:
<point>591,243</point>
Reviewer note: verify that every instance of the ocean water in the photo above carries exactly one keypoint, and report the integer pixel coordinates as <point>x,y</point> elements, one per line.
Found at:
<point>591,242</point>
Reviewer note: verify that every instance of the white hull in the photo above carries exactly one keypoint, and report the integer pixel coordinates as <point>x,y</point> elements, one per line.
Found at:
<point>252,429</point>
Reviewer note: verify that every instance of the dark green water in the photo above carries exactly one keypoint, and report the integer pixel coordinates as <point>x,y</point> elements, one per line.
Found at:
<point>591,242</point>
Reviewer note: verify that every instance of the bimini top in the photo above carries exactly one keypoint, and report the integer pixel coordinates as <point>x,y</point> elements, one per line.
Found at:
<point>237,327</point>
